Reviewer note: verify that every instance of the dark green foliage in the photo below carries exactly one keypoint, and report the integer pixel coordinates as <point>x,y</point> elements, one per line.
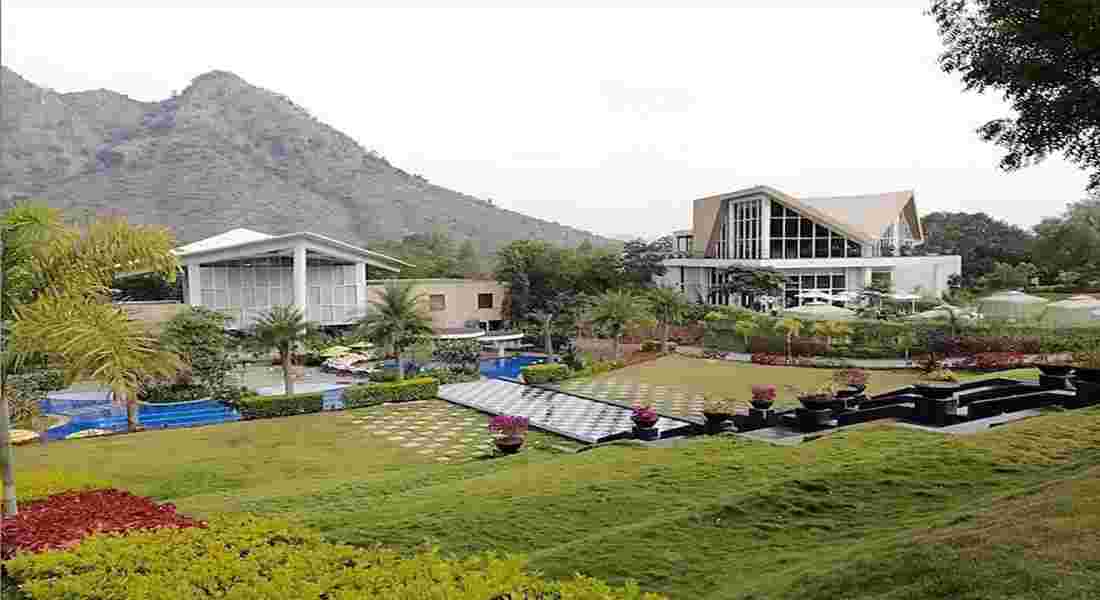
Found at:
<point>264,407</point>
<point>147,287</point>
<point>979,239</point>
<point>25,390</point>
<point>549,373</point>
<point>1071,243</point>
<point>161,393</point>
<point>409,390</point>
<point>1044,59</point>
<point>457,353</point>
<point>447,375</point>
<point>198,336</point>
<point>753,280</point>
<point>642,260</point>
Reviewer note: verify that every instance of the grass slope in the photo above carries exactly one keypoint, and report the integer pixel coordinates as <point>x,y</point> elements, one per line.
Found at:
<point>873,512</point>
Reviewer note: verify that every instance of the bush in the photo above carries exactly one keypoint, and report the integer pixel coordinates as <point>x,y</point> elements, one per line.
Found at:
<point>62,520</point>
<point>264,407</point>
<point>421,388</point>
<point>447,375</point>
<point>548,373</point>
<point>767,345</point>
<point>198,336</point>
<point>803,346</point>
<point>247,557</point>
<point>162,393</point>
<point>769,359</point>
<point>457,353</point>
<point>26,390</point>
<point>40,483</point>
<point>386,375</point>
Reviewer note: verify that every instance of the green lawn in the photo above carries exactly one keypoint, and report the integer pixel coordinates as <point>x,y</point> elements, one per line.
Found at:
<point>872,512</point>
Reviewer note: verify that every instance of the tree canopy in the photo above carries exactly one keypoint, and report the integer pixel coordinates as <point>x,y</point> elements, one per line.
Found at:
<point>1043,57</point>
<point>981,240</point>
<point>1071,243</point>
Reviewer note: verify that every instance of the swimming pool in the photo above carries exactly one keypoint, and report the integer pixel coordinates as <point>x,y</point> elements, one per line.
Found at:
<point>507,368</point>
<point>89,411</point>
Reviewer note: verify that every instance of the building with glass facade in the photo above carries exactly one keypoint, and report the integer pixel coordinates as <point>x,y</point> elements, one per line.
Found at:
<point>826,245</point>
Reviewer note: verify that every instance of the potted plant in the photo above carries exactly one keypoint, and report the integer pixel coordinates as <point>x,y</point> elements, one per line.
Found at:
<point>1052,367</point>
<point>856,379</point>
<point>938,384</point>
<point>821,398</point>
<point>510,432</point>
<point>645,422</point>
<point>1086,366</point>
<point>763,396</point>
<point>717,411</point>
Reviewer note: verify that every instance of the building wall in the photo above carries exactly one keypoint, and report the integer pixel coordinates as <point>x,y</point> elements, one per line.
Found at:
<point>460,299</point>
<point>152,315</point>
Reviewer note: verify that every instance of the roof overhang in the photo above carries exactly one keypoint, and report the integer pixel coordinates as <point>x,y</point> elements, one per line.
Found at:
<point>275,244</point>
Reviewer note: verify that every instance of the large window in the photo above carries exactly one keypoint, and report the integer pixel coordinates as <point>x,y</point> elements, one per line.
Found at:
<point>744,225</point>
<point>437,302</point>
<point>484,301</point>
<point>795,236</point>
<point>820,281</point>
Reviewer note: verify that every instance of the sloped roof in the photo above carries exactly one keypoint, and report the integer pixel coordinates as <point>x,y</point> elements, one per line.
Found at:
<point>230,238</point>
<point>870,214</point>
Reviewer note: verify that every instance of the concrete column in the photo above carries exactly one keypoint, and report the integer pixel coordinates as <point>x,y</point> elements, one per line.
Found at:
<point>866,277</point>
<point>361,287</point>
<point>300,287</point>
<point>194,284</point>
<point>766,228</point>
<point>897,236</point>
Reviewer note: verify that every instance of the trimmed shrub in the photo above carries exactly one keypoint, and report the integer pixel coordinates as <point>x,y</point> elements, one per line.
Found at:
<point>456,353</point>
<point>446,375</point>
<point>41,483</point>
<point>264,407</point>
<point>804,346</point>
<point>769,359</point>
<point>161,393</point>
<point>421,388</point>
<point>260,559</point>
<point>63,520</point>
<point>548,373</point>
<point>387,375</point>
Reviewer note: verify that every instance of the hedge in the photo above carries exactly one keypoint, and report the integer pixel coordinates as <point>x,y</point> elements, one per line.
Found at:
<point>261,559</point>
<point>548,373</point>
<point>264,407</point>
<point>448,375</point>
<point>421,388</point>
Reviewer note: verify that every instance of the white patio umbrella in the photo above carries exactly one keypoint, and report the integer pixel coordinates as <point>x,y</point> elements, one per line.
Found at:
<point>822,311</point>
<point>1012,305</point>
<point>911,298</point>
<point>1072,312</point>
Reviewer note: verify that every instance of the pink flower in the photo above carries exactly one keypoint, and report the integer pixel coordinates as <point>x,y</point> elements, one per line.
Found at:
<point>763,392</point>
<point>509,426</point>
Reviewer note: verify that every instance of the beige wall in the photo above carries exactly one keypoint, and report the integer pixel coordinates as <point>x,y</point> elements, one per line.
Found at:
<point>460,298</point>
<point>152,314</point>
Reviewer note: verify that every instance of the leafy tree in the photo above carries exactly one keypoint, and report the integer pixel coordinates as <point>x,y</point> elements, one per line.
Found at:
<point>553,306</point>
<point>1071,242</point>
<point>1006,276</point>
<point>197,335</point>
<point>642,261</point>
<point>1044,58</point>
<point>467,262</point>
<point>831,330</point>
<point>746,327</point>
<point>282,328</point>
<point>55,286</point>
<point>613,312</point>
<point>396,319</point>
<point>669,306</point>
<point>535,272</point>
<point>791,328</point>
<point>759,281</point>
<point>979,239</point>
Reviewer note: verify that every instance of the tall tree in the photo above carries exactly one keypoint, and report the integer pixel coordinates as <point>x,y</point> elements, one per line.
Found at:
<point>1071,242</point>
<point>979,239</point>
<point>282,328</point>
<point>1041,56</point>
<point>615,311</point>
<point>534,271</point>
<point>467,262</point>
<point>642,261</point>
<point>396,319</point>
<point>669,306</point>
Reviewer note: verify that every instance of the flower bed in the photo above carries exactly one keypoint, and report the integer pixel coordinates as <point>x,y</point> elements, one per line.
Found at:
<point>63,520</point>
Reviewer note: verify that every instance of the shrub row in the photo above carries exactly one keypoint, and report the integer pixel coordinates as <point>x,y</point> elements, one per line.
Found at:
<point>62,520</point>
<point>548,373</point>
<point>421,388</point>
<point>265,407</point>
<point>246,557</point>
<point>448,375</point>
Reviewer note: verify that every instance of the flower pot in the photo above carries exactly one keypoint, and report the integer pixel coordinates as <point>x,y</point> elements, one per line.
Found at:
<point>858,387</point>
<point>1055,370</point>
<point>644,424</point>
<point>716,417</point>
<point>646,433</point>
<point>761,404</point>
<point>817,401</point>
<point>936,390</point>
<point>1086,374</point>
<point>508,445</point>
<point>1088,394</point>
<point>846,394</point>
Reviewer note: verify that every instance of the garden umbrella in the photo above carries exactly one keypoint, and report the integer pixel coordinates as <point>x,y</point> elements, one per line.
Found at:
<point>1012,305</point>
<point>822,311</point>
<point>1072,312</point>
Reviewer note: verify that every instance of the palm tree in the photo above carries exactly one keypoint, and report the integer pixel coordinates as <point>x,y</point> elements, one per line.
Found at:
<point>669,306</point>
<point>396,320</point>
<point>56,292</point>
<point>282,328</point>
<point>745,328</point>
<point>615,311</point>
<point>791,327</point>
<point>832,329</point>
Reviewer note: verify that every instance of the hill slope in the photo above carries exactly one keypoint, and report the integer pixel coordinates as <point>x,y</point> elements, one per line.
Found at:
<point>224,154</point>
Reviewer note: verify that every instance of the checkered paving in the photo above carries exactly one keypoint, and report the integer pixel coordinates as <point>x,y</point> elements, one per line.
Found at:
<point>677,402</point>
<point>574,417</point>
<point>431,429</point>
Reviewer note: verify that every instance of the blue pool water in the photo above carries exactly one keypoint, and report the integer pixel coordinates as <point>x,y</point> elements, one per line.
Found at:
<point>508,368</point>
<point>94,410</point>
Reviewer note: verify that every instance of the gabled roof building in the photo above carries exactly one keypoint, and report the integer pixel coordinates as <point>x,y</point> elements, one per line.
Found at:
<point>822,245</point>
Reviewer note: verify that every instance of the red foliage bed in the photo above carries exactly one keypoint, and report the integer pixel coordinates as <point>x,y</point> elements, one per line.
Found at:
<point>63,520</point>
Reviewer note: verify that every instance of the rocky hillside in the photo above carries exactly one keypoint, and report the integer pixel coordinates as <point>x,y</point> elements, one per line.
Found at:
<point>224,154</point>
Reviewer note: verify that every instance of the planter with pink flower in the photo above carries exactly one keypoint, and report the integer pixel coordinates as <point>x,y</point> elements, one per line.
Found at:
<point>763,396</point>
<point>645,423</point>
<point>509,432</point>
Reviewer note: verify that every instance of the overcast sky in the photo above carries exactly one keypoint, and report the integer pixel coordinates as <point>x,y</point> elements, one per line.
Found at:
<point>609,119</point>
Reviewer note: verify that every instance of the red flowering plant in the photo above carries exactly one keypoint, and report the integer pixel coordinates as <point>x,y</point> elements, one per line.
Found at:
<point>63,520</point>
<point>644,416</point>
<point>763,396</point>
<point>856,378</point>
<point>509,427</point>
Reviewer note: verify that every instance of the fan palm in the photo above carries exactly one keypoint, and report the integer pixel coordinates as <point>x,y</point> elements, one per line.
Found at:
<point>669,306</point>
<point>615,311</point>
<point>56,281</point>
<point>396,319</point>
<point>282,328</point>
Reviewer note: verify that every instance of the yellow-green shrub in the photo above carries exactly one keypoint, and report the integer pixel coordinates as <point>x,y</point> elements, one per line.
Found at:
<point>40,483</point>
<point>240,558</point>
<point>421,388</point>
<point>549,373</point>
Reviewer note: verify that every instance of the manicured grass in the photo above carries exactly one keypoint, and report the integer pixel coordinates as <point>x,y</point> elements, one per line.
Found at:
<point>870,512</point>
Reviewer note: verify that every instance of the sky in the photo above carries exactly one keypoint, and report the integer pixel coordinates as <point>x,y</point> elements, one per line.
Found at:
<point>605,116</point>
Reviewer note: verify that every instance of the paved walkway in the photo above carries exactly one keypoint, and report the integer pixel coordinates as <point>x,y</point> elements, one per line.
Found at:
<point>672,401</point>
<point>571,416</point>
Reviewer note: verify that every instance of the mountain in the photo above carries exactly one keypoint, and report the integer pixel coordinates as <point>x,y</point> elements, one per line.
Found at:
<point>224,154</point>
